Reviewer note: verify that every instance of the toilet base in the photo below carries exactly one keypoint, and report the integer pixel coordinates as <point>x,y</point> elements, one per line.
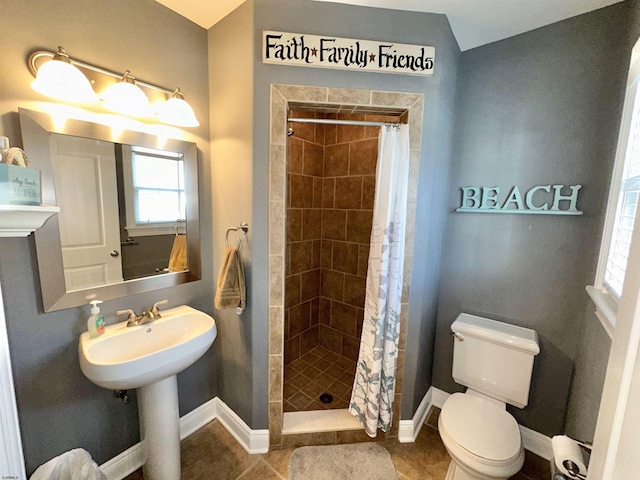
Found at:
<point>456,473</point>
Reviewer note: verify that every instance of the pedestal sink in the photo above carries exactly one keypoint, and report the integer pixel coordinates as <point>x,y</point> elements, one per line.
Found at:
<point>148,357</point>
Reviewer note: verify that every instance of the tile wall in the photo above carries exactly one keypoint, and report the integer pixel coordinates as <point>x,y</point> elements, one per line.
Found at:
<point>331,186</point>
<point>355,101</point>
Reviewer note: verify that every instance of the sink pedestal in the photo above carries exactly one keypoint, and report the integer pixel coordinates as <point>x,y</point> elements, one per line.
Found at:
<point>160,429</point>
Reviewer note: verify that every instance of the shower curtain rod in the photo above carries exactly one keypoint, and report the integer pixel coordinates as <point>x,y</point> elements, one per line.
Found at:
<point>341,122</point>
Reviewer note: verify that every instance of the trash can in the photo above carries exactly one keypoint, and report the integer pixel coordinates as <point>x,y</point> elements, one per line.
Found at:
<point>72,465</point>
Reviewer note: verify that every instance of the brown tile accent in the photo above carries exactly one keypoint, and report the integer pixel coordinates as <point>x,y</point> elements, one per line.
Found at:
<point>350,133</point>
<point>351,347</point>
<point>301,191</point>
<point>332,285</point>
<point>312,159</point>
<point>301,257</point>
<point>317,192</point>
<point>309,339</point>
<point>330,133</point>
<point>359,226</point>
<point>292,291</point>
<point>363,157</point>
<point>310,285</point>
<point>348,194</point>
<point>294,224</point>
<point>311,224</point>
<point>336,160</point>
<point>368,191</point>
<point>315,311</point>
<point>354,290</point>
<point>355,436</point>
<point>305,131</point>
<point>345,257</point>
<point>334,224</point>
<point>326,254</point>
<point>294,155</point>
<point>317,254</point>
<point>300,319</point>
<point>363,260</point>
<point>291,350</point>
<point>328,192</point>
<point>330,339</point>
<point>325,310</point>
<point>343,318</point>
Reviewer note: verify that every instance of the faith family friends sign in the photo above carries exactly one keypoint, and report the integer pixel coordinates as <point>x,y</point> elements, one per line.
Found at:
<point>282,48</point>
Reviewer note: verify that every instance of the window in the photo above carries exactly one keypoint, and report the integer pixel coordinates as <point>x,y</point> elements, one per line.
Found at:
<point>154,191</point>
<point>622,206</point>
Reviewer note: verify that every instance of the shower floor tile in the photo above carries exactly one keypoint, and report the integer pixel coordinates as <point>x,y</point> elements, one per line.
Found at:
<point>316,372</point>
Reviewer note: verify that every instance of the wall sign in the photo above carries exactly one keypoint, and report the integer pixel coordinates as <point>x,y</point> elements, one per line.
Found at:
<point>539,200</point>
<point>304,50</point>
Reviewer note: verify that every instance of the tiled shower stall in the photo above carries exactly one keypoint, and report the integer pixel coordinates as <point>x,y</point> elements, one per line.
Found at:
<point>331,186</point>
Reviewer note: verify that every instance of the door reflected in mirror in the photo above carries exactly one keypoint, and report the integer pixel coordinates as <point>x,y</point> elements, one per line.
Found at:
<point>122,210</point>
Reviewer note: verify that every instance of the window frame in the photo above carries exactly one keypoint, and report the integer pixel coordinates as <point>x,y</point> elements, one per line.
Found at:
<point>133,228</point>
<point>605,300</point>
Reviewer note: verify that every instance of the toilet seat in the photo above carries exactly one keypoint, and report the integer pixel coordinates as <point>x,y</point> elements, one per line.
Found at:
<point>481,437</point>
<point>482,429</point>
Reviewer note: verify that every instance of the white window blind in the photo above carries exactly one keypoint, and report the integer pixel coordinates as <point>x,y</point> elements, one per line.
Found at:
<point>627,204</point>
<point>158,186</point>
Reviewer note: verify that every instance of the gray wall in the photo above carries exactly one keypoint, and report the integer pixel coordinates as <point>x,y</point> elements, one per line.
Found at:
<point>231,95</point>
<point>366,23</point>
<point>593,343</point>
<point>59,409</point>
<point>539,108</point>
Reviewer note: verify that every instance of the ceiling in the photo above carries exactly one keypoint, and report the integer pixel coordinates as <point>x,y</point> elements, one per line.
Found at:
<point>474,22</point>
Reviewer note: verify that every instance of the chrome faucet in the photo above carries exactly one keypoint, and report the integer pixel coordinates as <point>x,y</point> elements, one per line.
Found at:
<point>155,311</point>
<point>134,320</point>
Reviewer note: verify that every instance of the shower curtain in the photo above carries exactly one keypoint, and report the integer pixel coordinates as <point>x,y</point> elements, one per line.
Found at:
<point>374,384</point>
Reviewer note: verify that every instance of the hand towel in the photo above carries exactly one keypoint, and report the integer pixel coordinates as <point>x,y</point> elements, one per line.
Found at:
<point>178,257</point>
<point>231,289</point>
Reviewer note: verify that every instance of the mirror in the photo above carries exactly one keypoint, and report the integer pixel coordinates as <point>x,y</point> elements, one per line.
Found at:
<point>129,210</point>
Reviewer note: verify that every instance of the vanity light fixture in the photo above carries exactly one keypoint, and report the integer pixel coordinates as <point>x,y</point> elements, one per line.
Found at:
<point>176,111</point>
<point>60,79</point>
<point>128,96</point>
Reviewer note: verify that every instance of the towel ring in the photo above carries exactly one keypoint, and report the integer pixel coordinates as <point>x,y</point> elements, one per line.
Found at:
<point>244,226</point>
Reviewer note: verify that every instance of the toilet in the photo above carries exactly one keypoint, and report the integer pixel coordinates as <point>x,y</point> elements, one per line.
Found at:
<point>494,360</point>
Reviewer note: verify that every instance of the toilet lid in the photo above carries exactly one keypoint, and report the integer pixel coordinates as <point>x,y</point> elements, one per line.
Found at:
<point>481,428</point>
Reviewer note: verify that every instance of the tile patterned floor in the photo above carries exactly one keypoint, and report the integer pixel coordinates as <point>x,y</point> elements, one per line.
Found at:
<point>213,454</point>
<point>316,372</point>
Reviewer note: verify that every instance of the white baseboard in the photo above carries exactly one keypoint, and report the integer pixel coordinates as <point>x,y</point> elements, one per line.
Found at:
<point>124,464</point>
<point>533,441</point>
<point>408,430</point>
<point>253,441</point>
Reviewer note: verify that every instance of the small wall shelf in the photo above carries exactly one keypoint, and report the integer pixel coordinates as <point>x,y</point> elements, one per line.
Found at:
<point>21,220</point>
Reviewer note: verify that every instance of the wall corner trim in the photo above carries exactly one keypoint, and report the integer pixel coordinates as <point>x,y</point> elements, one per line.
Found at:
<point>408,430</point>
<point>253,441</point>
<point>533,441</point>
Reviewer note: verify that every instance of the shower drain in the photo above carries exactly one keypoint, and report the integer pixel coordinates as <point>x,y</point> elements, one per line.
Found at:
<point>326,398</point>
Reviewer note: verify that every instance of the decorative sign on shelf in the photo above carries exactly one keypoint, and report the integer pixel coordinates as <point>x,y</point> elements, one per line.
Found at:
<point>539,200</point>
<point>282,48</point>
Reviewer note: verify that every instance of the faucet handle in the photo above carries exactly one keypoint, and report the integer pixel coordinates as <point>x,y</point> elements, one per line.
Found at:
<point>155,310</point>
<point>132,318</point>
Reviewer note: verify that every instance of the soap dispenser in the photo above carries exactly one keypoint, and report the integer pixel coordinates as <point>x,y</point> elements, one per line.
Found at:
<point>95,324</point>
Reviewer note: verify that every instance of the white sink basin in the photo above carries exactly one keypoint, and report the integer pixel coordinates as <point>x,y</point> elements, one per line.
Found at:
<point>132,357</point>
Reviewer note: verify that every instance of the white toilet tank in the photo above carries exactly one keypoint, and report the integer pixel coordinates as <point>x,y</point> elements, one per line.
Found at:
<point>494,358</point>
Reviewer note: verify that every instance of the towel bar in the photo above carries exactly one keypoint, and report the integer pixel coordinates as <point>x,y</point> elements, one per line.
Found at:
<point>244,226</point>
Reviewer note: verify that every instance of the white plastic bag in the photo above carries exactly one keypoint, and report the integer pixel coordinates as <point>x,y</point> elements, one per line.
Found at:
<point>72,465</point>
